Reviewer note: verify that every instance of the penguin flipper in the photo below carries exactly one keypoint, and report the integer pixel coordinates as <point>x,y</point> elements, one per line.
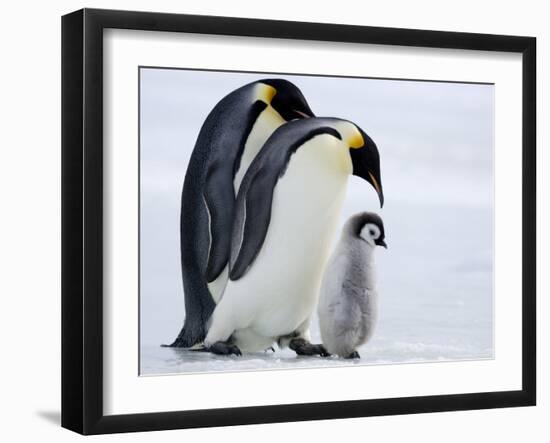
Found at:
<point>253,213</point>
<point>219,199</point>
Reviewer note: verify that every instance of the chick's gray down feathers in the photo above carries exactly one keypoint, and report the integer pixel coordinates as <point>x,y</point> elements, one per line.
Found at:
<point>348,299</point>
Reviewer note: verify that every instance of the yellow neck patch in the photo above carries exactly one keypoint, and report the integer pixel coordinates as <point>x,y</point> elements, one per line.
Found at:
<point>356,140</point>
<point>351,135</point>
<point>266,93</point>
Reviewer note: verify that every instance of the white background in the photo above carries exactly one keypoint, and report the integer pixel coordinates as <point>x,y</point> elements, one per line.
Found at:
<point>127,393</point>
<point>30,234</point>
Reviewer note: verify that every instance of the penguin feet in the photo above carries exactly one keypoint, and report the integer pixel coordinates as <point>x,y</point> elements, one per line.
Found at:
<point>302,347</point>
<point>353,355</point>
<point>224,348</point>
<point>190,335</point>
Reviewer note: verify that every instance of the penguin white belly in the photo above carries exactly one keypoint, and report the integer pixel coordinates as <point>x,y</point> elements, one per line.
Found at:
<point>217,286</point>
<point>280,290</point>
<point>263,127</point>
<point>265,124</point>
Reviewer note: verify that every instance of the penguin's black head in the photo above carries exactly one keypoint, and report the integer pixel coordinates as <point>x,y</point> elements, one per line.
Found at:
<point>369,227</point>
<point>366,163</point>
<point>288,100</point>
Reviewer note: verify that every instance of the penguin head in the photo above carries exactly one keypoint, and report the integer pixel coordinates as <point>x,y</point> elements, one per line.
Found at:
<point>286,99</point>
<point>369,227</point>
<point>364,154</point>
<point>366,163</point>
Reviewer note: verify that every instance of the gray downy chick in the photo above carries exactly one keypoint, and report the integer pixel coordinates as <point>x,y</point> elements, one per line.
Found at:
<point>348,298</point>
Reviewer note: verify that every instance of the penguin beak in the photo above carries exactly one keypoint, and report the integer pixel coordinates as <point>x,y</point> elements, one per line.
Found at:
<point>302,114</point>
<point>382,243</point>
<point>366,164</point>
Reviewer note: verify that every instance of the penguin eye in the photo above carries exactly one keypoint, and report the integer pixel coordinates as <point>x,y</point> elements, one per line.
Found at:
<point>370,231</point>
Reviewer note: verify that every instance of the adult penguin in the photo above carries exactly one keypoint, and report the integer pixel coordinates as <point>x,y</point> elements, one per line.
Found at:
<point>287,209</point>
<point>228,141</point>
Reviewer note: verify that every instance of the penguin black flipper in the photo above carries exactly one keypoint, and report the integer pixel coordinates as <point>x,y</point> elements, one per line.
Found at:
<point>255,197</point>
<point>253,213</point>
<point>219,199</point>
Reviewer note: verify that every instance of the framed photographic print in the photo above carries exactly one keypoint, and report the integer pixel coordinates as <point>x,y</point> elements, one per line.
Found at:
<point>270,221</point>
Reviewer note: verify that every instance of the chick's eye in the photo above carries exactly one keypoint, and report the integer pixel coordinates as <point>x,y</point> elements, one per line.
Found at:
<point>371,232</point>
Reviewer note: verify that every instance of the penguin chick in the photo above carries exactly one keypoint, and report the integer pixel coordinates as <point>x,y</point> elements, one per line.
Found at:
<point>348,298</point>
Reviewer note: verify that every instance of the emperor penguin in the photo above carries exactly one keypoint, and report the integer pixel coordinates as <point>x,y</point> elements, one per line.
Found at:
<point>287,209</point>
<point>348,297</point>
<point>228,141</point>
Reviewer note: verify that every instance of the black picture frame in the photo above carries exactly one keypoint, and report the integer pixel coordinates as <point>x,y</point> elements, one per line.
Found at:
<point>82,220</point>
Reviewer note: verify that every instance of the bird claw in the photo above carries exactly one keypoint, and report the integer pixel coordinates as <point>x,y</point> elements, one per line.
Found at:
<point>302,347</point>
<point>324,352</point>
<point>354,355</point>
<point>224,348</point>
